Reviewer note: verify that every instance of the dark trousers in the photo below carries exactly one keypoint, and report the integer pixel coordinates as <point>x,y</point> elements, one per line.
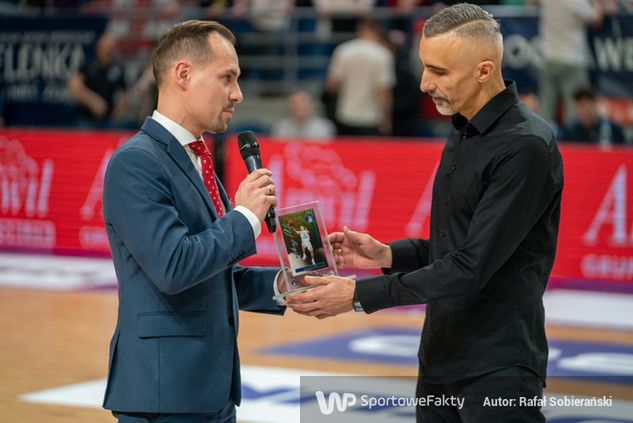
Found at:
<point>226,415</point>
<point>507,395</point>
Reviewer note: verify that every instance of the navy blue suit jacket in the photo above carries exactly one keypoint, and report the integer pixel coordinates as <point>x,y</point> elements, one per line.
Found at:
<point>174,349</point>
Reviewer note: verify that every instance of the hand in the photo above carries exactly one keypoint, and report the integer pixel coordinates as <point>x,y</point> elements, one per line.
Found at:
<point>296,282</point>
<point>98,107</point>
<point>332,295</point>
<point>354,249</point>
<point>257,193</point>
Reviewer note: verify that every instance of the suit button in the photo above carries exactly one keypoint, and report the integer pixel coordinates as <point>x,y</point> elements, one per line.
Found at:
<point>431,335</point>
<point>231,320</point>
<point>453,168</point>
<point>442,235</point>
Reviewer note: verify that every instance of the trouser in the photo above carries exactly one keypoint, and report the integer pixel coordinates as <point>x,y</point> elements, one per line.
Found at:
<point>225,415</point>
<point>513,395</point>
<point>559,81</point>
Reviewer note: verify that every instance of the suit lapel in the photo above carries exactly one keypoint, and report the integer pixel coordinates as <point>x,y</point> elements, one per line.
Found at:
<point>178,154</point>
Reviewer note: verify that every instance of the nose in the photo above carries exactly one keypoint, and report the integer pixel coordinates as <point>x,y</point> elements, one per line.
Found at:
<point>236,93</point>
<point>426,84</point>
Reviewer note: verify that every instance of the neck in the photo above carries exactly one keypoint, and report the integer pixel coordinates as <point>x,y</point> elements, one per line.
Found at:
<point>172,108</point>
<point>488,92</point>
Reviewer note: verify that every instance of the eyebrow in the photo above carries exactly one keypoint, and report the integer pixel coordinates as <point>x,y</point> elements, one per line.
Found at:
<point>435,68</point>
<point>231,71</point>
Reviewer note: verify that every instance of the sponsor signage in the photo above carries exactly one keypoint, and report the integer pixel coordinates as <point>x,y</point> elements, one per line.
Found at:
<point>51,184</point>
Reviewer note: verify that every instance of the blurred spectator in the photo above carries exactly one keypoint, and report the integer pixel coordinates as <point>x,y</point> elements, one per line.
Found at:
<point>531,101</point>
<point>566,56</point>
<point>2,104</point>
<point>362,75</point>
<point>301,122</point>
<point>343,15</point>
<point>269,21</point>
<point>142,96</point>
<point>590,125</point>
<point>99,87</point>
<point>405,113</point>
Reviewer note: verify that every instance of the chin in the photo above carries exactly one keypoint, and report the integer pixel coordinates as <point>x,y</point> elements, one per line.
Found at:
<point>445,111</point>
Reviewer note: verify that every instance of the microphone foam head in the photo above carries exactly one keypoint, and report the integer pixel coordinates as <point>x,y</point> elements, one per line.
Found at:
<point>247,143</point>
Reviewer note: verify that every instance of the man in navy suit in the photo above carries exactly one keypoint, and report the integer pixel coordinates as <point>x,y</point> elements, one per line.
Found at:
<point>173,356</point>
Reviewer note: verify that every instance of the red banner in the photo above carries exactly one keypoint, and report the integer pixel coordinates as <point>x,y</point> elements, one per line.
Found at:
<point>51,183</point>
<point>50,189</point>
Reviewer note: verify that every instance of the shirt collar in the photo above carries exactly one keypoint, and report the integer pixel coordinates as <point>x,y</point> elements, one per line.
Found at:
<point>183,136</point>
<point>489,114</point>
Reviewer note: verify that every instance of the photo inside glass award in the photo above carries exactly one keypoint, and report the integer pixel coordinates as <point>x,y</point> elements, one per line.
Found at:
<point>302,244</point>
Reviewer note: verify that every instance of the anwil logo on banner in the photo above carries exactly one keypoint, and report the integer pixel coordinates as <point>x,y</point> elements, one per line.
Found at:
<point>334,400</point>
<point>24,197</point>
<point>609,228</point>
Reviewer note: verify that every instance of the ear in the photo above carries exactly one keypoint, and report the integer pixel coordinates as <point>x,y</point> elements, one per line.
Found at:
<point>485,70</point>
<point>183,73</point>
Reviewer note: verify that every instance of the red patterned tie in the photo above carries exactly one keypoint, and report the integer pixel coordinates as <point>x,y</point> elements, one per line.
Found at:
<point>200,149</point>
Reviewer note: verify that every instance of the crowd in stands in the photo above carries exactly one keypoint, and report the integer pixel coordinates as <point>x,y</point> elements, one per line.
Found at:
<point>363,70</point>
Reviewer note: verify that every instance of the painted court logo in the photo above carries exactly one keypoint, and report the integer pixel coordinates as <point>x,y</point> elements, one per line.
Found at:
<point>334,400</point>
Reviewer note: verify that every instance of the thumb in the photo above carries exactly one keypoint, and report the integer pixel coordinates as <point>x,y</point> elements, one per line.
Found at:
<point>351,235</point>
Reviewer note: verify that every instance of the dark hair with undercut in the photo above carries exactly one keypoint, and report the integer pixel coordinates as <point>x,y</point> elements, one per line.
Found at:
<point>189,40</point>
<point>467,20</point>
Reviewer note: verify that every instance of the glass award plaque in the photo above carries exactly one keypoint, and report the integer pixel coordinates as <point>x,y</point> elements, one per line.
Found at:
<point>302,244</point>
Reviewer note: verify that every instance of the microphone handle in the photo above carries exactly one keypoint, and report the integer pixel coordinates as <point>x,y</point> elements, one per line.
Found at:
<point>271,223</point>
<point>253,163</point>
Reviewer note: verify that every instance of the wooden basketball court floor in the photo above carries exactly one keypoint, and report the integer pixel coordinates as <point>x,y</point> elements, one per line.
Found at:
<point>51,338</point>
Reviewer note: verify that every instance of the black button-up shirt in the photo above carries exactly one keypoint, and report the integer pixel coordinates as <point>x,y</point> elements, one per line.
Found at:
<point>494,226</point>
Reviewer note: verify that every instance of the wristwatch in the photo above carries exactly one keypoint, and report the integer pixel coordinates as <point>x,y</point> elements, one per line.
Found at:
<point>358,307</point>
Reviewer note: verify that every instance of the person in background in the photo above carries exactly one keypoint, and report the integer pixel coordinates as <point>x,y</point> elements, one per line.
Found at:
<point>362,75</point>
<point>3,103</point>
<point>566,56</point>
<point>589,124</point>
<point>99,87</point>
<point>301,122</point>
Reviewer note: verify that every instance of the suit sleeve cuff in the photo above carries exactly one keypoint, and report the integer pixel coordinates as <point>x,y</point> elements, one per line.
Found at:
<point>281,301</point>
<point>252,219</point>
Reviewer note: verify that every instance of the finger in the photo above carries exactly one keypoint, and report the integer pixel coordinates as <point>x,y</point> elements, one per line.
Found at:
<point>258,173</point>
<point>302,297</point>
<point>265,181</point>
<point>318,280</point>
<point>304,308</point>
<point>268,190</point>
<point>336,237</point>
<point>351,235</point>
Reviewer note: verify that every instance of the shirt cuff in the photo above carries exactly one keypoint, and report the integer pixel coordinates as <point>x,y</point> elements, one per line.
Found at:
<point>280,301</point>
<point>252,219</point>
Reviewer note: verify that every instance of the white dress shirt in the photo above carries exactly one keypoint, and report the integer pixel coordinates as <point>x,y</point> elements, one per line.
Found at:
<point>185,137</point>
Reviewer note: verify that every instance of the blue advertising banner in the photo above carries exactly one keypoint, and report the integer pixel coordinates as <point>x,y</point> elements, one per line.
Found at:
<point>612,54</point>
<point>37,57</point>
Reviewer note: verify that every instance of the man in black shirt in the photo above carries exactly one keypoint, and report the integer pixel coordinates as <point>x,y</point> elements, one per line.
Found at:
<point>494,226</point>
<point>99,87</point>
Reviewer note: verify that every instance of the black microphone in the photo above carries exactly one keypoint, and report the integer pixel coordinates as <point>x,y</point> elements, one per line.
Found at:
<point>249,150</point>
